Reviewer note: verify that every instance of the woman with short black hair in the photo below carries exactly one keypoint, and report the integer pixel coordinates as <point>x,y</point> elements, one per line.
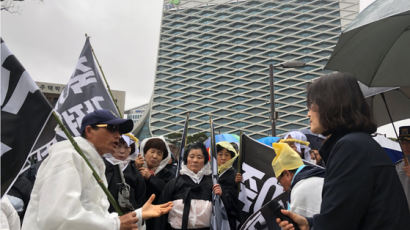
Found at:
<point>153,165</point>
<point>361,188</point>
<point>190,192</point>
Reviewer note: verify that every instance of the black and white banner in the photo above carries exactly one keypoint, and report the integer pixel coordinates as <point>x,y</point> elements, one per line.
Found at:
<point>264,218</point>
<point>259,185</point>
<point>84,93</point>
<point>24,112</point>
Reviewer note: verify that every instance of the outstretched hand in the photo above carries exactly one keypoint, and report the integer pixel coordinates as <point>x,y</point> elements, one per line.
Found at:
<point>150,210</point>
<point>301,221</point>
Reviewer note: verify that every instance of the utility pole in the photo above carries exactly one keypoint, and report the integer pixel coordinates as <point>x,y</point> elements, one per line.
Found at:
<point>273,113</point>
<point>272,101</point>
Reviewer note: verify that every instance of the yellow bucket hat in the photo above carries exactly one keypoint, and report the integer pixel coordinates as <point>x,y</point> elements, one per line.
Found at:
<point>286,158</point>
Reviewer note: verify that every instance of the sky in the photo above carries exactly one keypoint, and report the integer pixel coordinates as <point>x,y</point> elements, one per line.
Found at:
<point>47,37</point>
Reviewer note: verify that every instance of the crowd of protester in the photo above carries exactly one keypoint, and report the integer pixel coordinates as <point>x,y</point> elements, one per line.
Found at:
<point>344,182</point>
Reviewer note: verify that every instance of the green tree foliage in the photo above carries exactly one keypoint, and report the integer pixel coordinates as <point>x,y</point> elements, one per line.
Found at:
<point>175,138</point>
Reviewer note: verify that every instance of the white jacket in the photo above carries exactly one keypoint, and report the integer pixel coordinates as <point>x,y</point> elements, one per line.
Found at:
<point>306,196</point>
<point>66,196</point>
<point>9,219</point>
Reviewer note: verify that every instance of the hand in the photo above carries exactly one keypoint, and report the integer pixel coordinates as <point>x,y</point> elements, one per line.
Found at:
<point>238,178</point>
<point>301,221</point>
<point>150,210</point>
<point>145,173</point>
<point>139,161</point>
<point>406,169</point>
<point>129,221</point>
<point>217,189</point>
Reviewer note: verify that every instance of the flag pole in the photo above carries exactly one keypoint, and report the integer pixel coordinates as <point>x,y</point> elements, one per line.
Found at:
<point>105,79</point>
<point>213,153</point>
<point>240,158</point>
<point>183,145</point>
<point>97,178</point>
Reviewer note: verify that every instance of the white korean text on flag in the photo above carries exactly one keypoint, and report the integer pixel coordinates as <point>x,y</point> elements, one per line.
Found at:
<point>259,184</point>
<point>24,113</point>
<point>84,93</point>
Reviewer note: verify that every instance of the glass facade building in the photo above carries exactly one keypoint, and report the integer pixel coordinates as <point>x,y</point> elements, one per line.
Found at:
<point>214,59</point>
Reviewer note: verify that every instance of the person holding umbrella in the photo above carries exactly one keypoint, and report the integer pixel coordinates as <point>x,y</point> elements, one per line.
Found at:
<point>403,169</point>
<point>361,188</point>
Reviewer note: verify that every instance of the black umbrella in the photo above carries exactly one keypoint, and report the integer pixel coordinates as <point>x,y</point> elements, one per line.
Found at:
<point>388,104</point>
<point>375,47</point>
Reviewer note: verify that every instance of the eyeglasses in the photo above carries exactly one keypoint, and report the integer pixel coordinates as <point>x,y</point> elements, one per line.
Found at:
<point>110,128</point>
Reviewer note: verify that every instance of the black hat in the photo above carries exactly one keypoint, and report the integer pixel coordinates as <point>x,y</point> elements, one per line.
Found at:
<point>106,117</point>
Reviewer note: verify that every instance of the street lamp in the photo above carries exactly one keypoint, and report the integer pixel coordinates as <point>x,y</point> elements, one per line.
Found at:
<point>274,115</point>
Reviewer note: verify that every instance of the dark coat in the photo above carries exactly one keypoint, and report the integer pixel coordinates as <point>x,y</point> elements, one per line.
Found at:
<point>183,187</point>
<point>155,184</point>
<point>132,177</point>
<point>361,188</point>
<point>230,196</point>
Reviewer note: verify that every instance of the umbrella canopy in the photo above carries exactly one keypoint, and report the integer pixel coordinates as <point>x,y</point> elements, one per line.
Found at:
<point>268,140</point>
<point>223,137</point>
<point>392,148</point>
<point>375,47</point>
<point>397,100</point>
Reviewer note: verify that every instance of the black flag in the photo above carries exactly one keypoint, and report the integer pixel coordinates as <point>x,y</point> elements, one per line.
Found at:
<point>219,219</point>
<point>24,112</point>
<point>265,217</point>
<point>85,92</point>
<point>259,185</point>
<point>183,144</point>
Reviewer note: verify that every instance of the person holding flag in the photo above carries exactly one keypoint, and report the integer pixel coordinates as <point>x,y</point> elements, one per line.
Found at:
<point>228,179</point>
<point>67,196</point>
<point>361,188</point>
<point>191,192</point>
